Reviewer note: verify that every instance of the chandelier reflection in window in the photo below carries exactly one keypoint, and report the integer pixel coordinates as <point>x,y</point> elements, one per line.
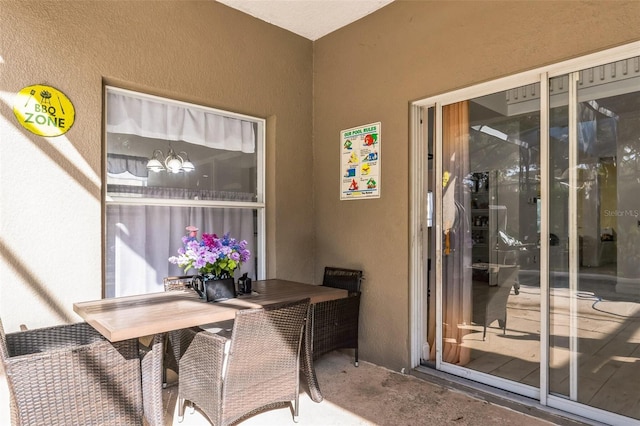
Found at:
<point>172,162</point>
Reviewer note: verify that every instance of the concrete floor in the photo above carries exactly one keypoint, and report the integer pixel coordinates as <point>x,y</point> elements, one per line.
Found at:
<point>370,395</point>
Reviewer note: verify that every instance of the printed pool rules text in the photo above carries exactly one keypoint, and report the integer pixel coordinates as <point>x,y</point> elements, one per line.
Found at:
<point>360,162</point>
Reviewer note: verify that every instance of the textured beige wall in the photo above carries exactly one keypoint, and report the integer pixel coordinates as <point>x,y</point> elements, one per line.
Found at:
<point>195,51</point>
<point>371,70</point>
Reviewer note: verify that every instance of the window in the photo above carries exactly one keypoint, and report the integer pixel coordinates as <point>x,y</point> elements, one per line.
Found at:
<point>170,165</point>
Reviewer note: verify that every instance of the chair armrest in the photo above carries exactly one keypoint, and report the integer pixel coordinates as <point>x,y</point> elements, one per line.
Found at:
<point>206,349</point>
<point>51,338</point>
<point>201,369</point>
<point>95,355</point>
<point>92,383</point>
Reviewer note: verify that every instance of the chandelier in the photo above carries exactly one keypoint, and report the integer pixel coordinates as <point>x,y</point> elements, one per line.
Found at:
<point>172,163</point>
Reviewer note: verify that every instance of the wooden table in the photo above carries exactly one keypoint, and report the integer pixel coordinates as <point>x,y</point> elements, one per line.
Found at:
<point>130,317</point>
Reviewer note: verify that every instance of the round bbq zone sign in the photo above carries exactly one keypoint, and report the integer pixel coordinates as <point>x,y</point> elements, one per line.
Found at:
<point>44,110</point>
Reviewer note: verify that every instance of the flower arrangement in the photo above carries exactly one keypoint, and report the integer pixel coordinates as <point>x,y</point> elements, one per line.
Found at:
<point>211,255</point>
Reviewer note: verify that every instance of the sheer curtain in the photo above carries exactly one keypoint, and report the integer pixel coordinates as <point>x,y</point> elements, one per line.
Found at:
<point>456,274</point>
<point>140,240</point>
<point>173,121</point>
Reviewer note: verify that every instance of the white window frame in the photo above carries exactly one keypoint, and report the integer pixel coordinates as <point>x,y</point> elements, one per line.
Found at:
<point>259,205</point>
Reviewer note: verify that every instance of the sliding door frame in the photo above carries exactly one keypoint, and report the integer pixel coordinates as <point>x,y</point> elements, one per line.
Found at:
<point>420,251</point>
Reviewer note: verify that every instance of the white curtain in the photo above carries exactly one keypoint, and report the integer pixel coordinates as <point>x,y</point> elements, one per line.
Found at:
<point>165,120</point>
<point>456,261</point>
<point>140,240</point>
<point>118,164</point>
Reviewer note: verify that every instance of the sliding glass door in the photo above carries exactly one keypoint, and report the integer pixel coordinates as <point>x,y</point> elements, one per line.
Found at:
<point>594,215</point>
<point>535,287</point>
<point>490,277</point>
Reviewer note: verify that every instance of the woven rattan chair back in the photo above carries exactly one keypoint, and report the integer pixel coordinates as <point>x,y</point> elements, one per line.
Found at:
<point>181,282</point>
<point>176,341</point>
<point>261,369</point>
<point>70,374</point>
<point>347,279</point>
<point>336,322</point>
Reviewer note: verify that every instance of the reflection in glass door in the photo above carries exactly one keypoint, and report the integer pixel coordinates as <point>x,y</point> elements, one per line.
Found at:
<point>490,262</point>
<point>594,246</point>
<point>537,236</point>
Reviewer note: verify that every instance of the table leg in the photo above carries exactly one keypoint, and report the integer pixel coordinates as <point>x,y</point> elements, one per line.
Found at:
<point>307,359</point>
<point>152,381</point>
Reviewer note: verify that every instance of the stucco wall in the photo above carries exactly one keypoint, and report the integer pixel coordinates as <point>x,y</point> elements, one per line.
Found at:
<point>50,189</point>
<point>371,70</point>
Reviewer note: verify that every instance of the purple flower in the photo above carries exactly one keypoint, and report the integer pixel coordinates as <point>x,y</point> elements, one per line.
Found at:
<point>245,255</point>
<point>211,255</point>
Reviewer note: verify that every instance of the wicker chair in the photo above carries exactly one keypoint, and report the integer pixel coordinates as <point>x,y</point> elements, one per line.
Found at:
<point>177,341</point>
<point>335,322</point>
<point>181,282</point>
<point>495,298</point>
<point>258,368</point>
<point>70,374</point>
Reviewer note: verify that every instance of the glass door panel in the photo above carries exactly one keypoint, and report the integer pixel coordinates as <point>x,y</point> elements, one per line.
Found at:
<point>595,237</point>
<point>491,270</point>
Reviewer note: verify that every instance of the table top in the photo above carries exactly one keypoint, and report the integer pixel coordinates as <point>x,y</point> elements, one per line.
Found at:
<point>128,317</point>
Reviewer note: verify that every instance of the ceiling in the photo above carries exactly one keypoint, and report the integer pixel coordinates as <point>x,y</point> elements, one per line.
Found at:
<point>311,19</point>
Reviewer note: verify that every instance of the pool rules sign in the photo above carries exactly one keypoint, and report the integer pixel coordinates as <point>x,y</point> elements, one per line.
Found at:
<point>360,162</point>
<point>44,110</point>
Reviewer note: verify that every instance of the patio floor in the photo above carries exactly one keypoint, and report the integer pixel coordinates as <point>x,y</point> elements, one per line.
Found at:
<point>367,395</point>
<point>608,345</point>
